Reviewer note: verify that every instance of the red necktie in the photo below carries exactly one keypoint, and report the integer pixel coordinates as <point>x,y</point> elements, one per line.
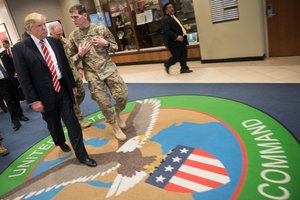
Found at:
<point>51,66</point>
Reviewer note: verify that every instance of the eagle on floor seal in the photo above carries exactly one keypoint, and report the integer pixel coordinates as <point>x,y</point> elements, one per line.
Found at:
<point>183,170</point>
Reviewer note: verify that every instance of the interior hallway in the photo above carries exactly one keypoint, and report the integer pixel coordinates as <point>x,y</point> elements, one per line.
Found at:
<point>270,70</point>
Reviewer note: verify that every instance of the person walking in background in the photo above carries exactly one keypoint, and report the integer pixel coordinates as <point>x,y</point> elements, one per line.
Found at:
<point>48,84</point>
<point>175,40</point>
<point>9,92</point>
<point>3,150</point>
<point>91,44</point>
<point>7,60</point>
<point>56,31</point>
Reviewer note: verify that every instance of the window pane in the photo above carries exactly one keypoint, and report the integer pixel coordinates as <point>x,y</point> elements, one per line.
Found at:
<point>120,13</point>
<point>148,23</point>
<point>185,13</point>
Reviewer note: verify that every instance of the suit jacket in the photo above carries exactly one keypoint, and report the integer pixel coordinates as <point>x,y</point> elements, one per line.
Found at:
<point>171,30</point>
<point>34,74</point>
<point>8,63</point>
<point>9,66</point>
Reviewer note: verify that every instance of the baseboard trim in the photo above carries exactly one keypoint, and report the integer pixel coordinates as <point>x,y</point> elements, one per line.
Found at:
<point>241,59</point>
<point>152,62</point>
<point>203,61</point>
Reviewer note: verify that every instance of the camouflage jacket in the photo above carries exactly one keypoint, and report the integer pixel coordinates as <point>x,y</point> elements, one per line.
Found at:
<point>77,78</point>
<point>96,62</point>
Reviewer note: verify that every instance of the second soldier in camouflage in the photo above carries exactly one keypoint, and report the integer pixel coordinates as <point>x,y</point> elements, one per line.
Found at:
<point>56,31</point>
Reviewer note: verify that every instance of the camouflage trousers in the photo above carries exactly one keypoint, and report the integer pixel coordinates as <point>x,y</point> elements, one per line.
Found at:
<point>79,99</point>
<point>102,91</point>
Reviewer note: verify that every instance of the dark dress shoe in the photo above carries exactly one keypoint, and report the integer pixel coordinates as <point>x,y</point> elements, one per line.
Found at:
<point>89,162</point>
<point>182,71</point>
<point>65,148</point>
<point>17,125</point>
<point>167,68</point>
<point>23,118</point>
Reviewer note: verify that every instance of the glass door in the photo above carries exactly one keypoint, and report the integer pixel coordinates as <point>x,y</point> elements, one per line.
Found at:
<point>148,23</point>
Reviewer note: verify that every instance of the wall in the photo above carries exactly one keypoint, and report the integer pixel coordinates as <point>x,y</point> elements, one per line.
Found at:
<point>6,18</point>
<point>51,9</point>
<point>19,9</point>
<point>89,5</point>
<point>65,5</point>
<point>235,39</point>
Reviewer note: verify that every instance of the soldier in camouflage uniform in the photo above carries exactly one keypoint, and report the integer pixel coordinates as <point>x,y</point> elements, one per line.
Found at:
<point>56,31</point>
<point>91,44</point>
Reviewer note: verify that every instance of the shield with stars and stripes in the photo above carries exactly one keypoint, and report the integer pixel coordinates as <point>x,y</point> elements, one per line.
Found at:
<point>189,170</point>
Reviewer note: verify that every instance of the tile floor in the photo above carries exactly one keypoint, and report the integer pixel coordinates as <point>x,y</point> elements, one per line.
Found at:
<point>270,70</point>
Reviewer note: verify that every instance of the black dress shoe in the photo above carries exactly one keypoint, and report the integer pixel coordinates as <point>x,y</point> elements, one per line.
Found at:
<point>17,125</point>
<point>65,148</point>
<point>23,118</point>
<point>182,71</point>
<point>167,68</point>
<point>89,162</point>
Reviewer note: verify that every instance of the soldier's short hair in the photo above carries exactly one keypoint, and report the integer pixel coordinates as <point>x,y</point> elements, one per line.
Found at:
<point>31,19</point>
<point>78,7</point>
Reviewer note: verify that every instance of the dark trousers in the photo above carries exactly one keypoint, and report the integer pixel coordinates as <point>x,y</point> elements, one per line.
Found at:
<point>64,110</point>
<point>11,96</point>
<point>2,104</point>
<point>16,83</point>
<point>179,53</point>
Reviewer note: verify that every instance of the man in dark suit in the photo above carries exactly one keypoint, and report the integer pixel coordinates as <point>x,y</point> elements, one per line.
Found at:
<point>175,39</point>
<point>7,60</point>
<point>48,84</point>
<point>9,92</point>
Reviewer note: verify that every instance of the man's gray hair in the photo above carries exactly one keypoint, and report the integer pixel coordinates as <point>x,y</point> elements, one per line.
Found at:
<point>53,25</point>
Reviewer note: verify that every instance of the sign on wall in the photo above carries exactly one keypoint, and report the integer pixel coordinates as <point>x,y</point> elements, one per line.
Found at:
<point>224,10</point>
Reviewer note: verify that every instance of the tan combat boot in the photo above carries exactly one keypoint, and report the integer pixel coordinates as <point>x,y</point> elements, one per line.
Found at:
<point>3,151</point>
<point>84,124</point>
<point>120,122</point>
<point>118,132</point>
